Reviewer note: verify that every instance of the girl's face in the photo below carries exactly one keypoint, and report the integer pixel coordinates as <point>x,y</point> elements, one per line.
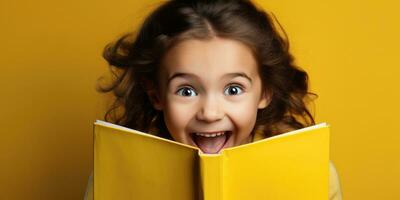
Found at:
<point>209,92</point>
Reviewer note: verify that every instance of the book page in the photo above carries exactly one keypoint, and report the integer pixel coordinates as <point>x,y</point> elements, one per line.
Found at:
<point>131,165</point>
<point>291,166</point>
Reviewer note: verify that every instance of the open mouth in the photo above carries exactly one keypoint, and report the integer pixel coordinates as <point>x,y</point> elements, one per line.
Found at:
<point>211,142</point>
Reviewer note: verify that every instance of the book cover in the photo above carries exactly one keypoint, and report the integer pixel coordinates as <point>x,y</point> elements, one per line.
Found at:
<point>129,164</point>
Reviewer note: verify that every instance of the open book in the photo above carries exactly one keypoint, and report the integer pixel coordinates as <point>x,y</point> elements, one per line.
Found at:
<point>129,164</point>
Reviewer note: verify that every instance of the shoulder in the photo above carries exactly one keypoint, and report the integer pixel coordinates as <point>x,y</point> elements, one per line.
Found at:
<point>335,192</point>
<point>89,188</point>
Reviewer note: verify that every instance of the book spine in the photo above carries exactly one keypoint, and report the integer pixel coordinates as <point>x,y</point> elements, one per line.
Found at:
<point>211,176</point>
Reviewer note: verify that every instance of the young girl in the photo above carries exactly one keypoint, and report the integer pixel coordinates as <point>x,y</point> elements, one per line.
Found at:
<point>209,73</point>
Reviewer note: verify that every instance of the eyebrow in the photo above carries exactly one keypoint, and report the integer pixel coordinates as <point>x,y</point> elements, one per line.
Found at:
<point>239,74</point>
<point>229,75</point>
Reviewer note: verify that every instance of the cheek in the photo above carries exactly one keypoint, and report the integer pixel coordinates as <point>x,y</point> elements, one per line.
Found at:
<point>244,116</point>
<point>244,112</point>
<point>177,116</point>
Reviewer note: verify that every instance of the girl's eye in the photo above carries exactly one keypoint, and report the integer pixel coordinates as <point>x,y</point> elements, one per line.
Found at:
<point>186,92</point>
<point>233,90</point>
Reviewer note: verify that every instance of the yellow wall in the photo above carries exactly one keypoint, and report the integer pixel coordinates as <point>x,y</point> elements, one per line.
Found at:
<point>50,58</point>
<point>350,49</point>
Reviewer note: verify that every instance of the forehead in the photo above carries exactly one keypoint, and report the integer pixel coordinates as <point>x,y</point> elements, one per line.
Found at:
<point>216,56</point>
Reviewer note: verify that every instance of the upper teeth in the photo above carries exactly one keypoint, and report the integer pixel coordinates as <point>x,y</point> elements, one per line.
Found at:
<point>210,135</point>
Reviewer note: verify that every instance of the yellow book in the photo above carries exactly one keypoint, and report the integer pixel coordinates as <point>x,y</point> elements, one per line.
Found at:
<point>129,164</point>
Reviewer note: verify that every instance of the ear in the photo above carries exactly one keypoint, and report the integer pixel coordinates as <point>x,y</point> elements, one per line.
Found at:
<point>265,99</point>
<point>155,99</point>
<point>153,95</point>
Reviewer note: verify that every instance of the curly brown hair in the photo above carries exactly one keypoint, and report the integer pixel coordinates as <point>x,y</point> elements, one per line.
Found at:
<point>134,61</point>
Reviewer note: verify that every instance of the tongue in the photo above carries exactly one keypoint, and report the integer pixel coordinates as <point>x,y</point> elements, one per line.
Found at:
<point>210,144</point>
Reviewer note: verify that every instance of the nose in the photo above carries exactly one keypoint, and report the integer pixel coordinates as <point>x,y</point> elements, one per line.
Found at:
<point>210,110</point>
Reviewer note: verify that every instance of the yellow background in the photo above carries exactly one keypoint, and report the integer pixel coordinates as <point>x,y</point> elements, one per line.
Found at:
<point>50,58</point>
